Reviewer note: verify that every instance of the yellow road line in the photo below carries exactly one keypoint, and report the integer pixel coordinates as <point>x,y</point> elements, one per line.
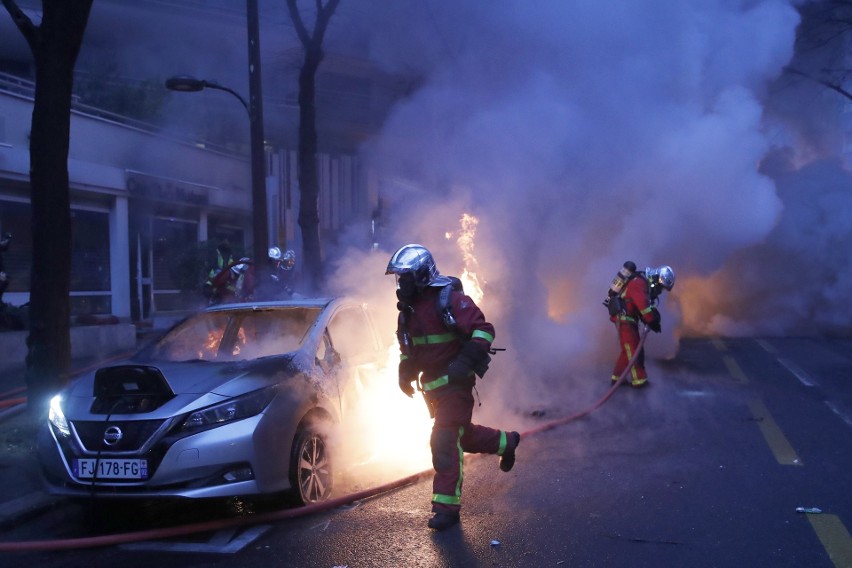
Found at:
<point>784,452</point>
<point>734,369</point>
<point>718,344</point>
<point>834,538</point>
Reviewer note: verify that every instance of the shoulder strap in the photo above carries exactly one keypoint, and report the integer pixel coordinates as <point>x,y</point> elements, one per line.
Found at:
<point>443,304</point>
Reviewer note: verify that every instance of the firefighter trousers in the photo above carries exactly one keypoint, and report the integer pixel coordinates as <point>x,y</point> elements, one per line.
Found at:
<point>453,434</point>
<point>628,341</point>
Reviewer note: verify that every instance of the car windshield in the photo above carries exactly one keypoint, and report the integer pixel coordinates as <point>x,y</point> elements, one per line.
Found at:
<point>236,335</point>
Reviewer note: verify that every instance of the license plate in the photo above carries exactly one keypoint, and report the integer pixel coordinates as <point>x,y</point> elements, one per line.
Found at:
<point>110,468</point>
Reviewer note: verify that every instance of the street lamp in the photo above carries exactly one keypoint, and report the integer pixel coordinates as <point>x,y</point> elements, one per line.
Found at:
<point>187,84</point>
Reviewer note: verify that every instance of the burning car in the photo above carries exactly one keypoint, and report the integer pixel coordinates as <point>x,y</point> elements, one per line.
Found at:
<point>235,400</point>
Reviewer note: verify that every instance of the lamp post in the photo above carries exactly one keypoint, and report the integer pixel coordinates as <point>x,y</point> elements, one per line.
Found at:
<point>260,232</point>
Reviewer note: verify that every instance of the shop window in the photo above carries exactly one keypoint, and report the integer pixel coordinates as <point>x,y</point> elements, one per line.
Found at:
<point>17,260</point>
<point>90,251</point>
<point>170,240</point>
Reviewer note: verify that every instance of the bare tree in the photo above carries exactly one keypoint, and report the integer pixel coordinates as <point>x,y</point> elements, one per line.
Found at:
<point>824,45</point>
<point>55,44</point>
<point>308,178</point>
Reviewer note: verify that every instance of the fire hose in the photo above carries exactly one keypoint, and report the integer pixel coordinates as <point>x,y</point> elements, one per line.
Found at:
<point>310,509</point>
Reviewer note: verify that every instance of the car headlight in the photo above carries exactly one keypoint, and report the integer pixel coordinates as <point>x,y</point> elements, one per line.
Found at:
<point>57,417</point>
<point>235,409</point>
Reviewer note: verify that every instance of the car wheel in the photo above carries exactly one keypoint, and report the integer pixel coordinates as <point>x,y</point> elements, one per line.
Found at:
<point>311,474</point>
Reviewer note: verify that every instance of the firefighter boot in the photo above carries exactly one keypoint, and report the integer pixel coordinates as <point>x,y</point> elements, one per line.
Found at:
<point>507,460</point>
<point>443,520</point>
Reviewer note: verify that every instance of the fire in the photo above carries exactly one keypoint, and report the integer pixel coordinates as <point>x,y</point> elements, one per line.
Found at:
<point>465,242</point>
<point>389,430</point>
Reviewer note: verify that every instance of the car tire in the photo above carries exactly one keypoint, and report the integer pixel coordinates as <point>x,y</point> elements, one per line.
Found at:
<point>311,473</point>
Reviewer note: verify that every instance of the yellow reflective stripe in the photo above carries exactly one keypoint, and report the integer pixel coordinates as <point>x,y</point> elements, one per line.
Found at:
<point>430,339</point>
<point>461,463</point>
<point>647,310</point>
<point>439,382</point>
<point>629,351</point>
<point>446,499</point>
<point>483,335</point>
<point>627,318</point>
<point>403,357</point>
<point>502,447</point>
<point>454,499</point>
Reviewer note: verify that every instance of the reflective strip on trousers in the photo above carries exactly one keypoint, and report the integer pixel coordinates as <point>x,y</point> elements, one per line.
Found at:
<point>455,499</point>
<point>439,382</point>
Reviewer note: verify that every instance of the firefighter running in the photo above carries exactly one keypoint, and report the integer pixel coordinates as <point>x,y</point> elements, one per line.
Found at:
<point>632,298</point>
<point>445,342</point>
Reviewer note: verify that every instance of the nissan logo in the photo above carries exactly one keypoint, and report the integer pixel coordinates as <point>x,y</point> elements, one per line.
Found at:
<point>112,435</point>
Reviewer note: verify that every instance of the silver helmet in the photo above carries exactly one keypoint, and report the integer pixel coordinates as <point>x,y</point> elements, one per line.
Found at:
<point>416,260</point>
<point>662,276</point>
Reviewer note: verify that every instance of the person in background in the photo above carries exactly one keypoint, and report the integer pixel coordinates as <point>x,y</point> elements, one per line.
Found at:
<point>632,299</point>
<point>445,343</point>
<point>223,276</point>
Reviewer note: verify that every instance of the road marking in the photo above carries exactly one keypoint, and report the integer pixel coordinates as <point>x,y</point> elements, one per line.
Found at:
<point>834,538</point>
<point>228,541</point>
<point>784,452</point>
<point>734,369</point>
<point>838,411</point>
<point>766,346</point>
<point>798,373</point>
<point>718,344</point>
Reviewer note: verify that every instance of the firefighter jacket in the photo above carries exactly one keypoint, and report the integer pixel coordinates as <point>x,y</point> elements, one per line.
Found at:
<point>637,303</point>
<point>432,345</point>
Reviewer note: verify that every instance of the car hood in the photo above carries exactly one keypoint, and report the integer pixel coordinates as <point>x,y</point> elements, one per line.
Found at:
<point>194,384</point>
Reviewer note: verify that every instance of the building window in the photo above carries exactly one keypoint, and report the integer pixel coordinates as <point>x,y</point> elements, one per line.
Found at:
<point>15,218</point>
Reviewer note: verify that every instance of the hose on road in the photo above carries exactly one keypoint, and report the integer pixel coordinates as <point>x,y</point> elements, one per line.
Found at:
<point>216,525</point>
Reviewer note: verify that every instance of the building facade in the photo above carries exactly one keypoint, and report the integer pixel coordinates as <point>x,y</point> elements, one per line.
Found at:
<point>143,204</point>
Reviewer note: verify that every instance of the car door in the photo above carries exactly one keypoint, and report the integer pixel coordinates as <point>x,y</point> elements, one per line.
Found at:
<point>354,339</point>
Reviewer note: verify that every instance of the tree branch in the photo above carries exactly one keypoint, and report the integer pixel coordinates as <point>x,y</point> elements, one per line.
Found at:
<point>23,22</point>
<point>301,31</point>
<point>833,86</point>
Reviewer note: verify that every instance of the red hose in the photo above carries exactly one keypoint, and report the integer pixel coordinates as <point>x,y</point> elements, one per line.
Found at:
<point>109,540</point>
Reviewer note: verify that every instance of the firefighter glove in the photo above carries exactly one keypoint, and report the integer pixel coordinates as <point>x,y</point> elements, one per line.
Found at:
<point>406,387</point>
<point>407,375</point>
<point>473,356</point>
<point>655,326</point>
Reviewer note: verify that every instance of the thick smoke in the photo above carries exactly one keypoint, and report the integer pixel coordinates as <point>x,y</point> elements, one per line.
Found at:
<point>582,135</point>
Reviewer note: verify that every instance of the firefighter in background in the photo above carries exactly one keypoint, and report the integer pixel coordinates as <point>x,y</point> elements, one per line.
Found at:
<point>280,283</point>
<point>5,240</point>
<point>229,280</point>
<point>631,299</point>
<point>445,343</point>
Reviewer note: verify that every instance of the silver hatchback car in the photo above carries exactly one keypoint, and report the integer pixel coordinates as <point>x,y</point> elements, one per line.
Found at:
<point>236,400</point>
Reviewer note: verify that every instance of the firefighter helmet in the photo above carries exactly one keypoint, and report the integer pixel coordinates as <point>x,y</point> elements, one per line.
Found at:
<point>274,253</point>
<point>660,277</point>
<point>416,260</point>
<point>288,260</point>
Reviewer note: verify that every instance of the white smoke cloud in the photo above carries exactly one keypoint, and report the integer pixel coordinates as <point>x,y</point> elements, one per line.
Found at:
<point>582,135</point>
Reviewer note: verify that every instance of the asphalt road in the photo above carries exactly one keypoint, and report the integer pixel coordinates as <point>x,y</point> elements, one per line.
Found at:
<point>705,468</point>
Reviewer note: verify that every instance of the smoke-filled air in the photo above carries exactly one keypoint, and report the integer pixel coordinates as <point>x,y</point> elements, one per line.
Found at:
<point>584,134</point>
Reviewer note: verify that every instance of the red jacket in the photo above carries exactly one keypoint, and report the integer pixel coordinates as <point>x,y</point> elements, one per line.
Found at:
<point>433,346</point>
<point>637,300</point>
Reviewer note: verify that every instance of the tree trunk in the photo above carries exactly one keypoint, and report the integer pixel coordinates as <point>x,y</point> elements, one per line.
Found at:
<point>55,45</point>
<point>308,178</point>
